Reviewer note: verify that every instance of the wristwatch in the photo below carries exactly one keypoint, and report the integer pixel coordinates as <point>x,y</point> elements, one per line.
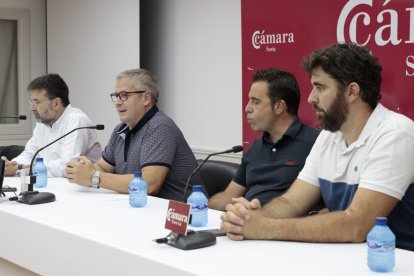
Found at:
<point>96,179</point>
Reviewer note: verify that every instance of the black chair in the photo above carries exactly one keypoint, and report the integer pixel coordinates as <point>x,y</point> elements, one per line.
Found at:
<point>11,152</point>
<point>217,175</point>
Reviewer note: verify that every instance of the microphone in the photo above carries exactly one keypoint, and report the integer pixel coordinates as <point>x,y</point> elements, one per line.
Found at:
<point>97,127</point>
<point>20,117</point>
<point>234,149</point>
<point>195,239</point>
<point>34,197</point>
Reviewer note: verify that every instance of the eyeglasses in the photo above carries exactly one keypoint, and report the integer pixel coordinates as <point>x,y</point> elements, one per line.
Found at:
<point>37,102</point>
<point>123,95</point>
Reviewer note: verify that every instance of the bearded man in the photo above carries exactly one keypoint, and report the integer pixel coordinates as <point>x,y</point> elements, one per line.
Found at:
<point>360,165</point>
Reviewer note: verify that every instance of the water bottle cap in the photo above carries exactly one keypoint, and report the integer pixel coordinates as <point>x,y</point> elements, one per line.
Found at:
<point>137,174</point>
<point>197,188</point>
<point>381,221</point>
<point>39,159</point>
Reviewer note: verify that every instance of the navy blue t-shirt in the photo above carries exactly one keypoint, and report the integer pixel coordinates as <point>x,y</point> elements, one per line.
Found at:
<point>268,170</point>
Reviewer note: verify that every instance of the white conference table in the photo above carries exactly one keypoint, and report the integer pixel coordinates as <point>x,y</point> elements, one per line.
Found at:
<point>95,232</point>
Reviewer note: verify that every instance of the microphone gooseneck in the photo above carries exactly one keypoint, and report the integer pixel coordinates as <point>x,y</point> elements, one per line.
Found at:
<point>32,179</point>
<point>20,117</point>
<point>234,149</point>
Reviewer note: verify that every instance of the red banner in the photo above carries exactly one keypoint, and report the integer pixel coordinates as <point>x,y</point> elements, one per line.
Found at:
<point>279,33</point>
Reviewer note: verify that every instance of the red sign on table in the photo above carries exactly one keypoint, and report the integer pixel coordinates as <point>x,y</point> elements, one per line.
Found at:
<point>178,217</point>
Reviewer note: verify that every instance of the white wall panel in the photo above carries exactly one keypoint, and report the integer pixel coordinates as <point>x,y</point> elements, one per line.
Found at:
<point>89,43</point>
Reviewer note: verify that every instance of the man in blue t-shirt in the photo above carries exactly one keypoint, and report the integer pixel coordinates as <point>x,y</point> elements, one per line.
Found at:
<point>273,161</point>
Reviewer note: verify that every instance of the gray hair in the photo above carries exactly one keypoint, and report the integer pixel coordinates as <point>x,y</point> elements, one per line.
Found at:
<point>144,80</point>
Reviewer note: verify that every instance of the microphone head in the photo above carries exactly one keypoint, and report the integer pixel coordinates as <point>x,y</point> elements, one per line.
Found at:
<point>100,127</point>
<point>237,148</point>
<point>22,117</point>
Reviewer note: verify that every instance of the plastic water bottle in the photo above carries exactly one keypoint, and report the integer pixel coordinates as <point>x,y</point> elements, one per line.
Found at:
<point>381,246</point>
<point>138,191</point>
<point>199,207</point>
<point>40,171</point>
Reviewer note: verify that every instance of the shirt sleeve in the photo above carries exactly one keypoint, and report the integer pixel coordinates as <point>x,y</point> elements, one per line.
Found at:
<point>72,146</point>
<point>108,153</point>
<point>240,175</point>
<point>31,147</point>
<point>389,166</point>
<point>309,173</point>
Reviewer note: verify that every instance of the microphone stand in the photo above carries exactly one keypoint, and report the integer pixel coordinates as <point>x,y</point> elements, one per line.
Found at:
<point>194,239</point>
<point>234,149</point>
<point>34,197</point>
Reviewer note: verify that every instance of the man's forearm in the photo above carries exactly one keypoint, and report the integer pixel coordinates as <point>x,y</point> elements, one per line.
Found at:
<point>116,182</point>
<point>219,201</point>
<point>332,227</point>
<point>282,207</point>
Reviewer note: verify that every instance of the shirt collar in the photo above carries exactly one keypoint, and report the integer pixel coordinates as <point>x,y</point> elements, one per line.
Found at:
<point>68,110</point>
<point>292,131</point>
<point>371,125</point>
<point>147,116</point>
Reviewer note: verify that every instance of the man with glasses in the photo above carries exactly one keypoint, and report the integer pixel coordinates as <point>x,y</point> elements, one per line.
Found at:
<point>49,102</point>
<point>146,140</point>
<point>275,159</point>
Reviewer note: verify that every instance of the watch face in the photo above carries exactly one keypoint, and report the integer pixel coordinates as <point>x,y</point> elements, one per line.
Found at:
<point>95,180</point>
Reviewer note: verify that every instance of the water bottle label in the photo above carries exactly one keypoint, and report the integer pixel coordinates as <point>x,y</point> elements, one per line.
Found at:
<point>132,189</point>
<point>381,246</point>
<point>199,207</point>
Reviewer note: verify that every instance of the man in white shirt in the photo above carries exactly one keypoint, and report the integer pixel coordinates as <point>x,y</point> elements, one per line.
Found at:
<point>49,102</point>
<point>360,165</point>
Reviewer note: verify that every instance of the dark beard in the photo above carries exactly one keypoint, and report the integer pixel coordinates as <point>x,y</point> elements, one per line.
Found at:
<point>46,121</point>
<point>335,116</point>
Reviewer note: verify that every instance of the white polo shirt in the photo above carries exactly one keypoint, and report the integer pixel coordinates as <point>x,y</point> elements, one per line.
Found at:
<point>81,142</point>
<point>381,159</point>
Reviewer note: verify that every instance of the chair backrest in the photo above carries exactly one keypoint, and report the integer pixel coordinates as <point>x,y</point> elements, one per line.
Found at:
<point>12,151</point>
<point>217,175</point>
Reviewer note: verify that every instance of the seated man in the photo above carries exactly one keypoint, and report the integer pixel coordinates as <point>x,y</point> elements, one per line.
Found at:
<point>49,102</point>
<point>272,162</point>
<point>147,140</point>
<point>361,164</point>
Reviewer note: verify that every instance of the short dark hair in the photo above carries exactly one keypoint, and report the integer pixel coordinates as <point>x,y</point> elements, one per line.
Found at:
<point>346,63</point>
<point>54,85</point>
<point>282,86</point>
